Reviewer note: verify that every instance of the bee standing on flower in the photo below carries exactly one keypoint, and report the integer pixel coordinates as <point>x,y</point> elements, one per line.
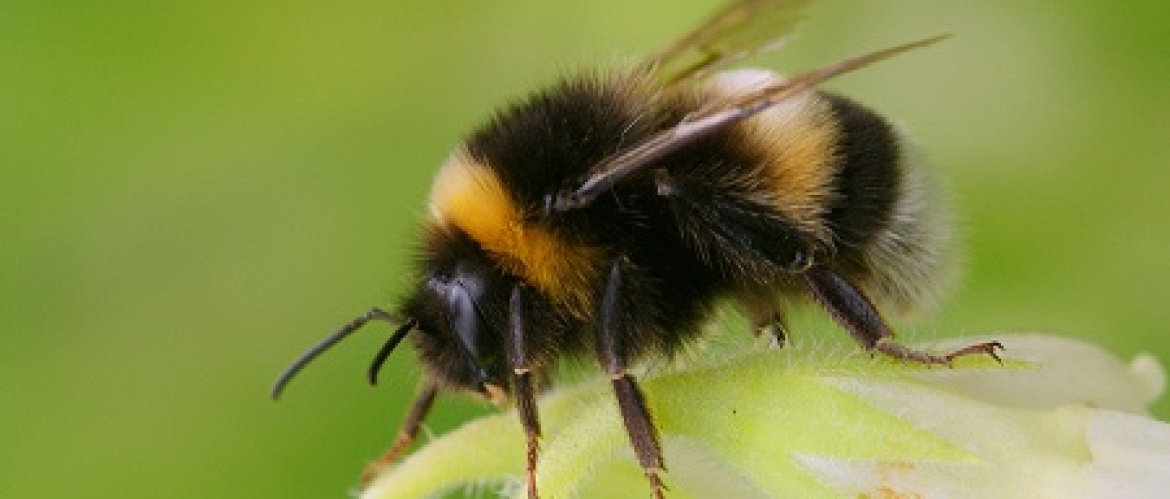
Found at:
<point>607,215</point>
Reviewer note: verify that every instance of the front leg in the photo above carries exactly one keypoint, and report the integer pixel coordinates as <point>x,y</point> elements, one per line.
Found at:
<point>523,388</point>
<point>406,433</point>
<point>853,311</point>
<point>612,353</point>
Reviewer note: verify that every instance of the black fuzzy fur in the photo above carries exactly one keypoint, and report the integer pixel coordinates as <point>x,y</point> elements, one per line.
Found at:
<point>867,181</point>
<point>688,234</point>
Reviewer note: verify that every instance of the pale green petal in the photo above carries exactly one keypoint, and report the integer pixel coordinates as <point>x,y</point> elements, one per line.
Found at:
<point>1061,419</point>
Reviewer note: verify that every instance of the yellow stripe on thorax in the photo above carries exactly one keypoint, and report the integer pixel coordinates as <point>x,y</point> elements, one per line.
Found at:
<point>468,195</point>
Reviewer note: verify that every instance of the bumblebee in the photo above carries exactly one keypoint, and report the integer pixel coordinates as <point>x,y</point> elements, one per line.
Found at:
<point>607,215</point>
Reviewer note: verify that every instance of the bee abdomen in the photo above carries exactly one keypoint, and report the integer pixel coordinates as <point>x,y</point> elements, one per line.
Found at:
<point>891,226</point>
<point>866,173</point>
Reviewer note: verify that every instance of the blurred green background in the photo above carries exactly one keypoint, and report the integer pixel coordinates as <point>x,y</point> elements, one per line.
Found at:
<point>192,192</point>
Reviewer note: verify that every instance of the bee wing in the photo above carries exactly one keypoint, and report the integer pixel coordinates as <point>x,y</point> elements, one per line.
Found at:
<point>705,122</point>
<point>740,29</point>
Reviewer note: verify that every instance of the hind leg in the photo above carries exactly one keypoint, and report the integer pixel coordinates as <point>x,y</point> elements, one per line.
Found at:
<point>853,311</point>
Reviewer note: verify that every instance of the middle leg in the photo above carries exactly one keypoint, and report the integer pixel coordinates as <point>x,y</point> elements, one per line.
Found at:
<point>613,353</point>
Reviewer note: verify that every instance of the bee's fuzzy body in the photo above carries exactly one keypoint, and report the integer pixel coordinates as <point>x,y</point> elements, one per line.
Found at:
<point>727,216</point>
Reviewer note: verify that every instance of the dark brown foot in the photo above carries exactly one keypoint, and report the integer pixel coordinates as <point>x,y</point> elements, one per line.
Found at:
<point>526,407</point>
<point>657,489</point>
<point>387,458</point>
<point>888,347</point>
<point>406,435</point>
<point>532,494</point>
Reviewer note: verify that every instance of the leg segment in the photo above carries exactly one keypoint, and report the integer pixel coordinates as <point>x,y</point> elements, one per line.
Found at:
<point>766,319</point>
<point>632,403</point>
<point>522,383</point>
<point>853,311</point>
<point>406,433</point>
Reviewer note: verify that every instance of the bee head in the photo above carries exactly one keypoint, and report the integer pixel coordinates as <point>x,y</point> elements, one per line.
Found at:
<point>460,312</point>
<point>457,314</point>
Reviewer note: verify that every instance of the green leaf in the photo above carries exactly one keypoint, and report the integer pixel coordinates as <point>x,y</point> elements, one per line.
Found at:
<point>1059,419</point>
